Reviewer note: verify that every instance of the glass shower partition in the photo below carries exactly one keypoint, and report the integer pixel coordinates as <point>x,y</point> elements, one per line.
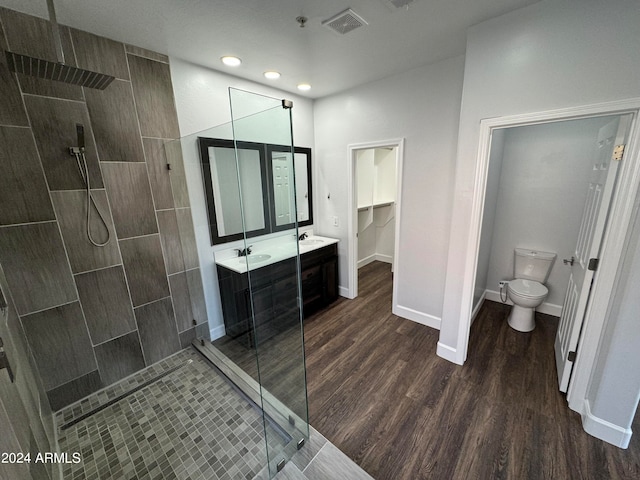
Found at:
<point>256,185</point>
<point>275,289</point>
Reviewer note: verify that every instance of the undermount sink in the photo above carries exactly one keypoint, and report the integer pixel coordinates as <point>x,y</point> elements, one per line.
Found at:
<point>250,259</point>
<point>311,241</point>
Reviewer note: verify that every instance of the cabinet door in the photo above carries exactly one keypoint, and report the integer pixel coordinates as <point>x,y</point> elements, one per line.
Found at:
<point>330,280</point>
<point>263,314</point>
<point>285,302</point>
<point>234,296</point>
<point>312,286</point>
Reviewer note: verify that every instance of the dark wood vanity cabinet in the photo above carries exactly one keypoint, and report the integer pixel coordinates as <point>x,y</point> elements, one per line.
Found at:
<point>275,301</point>
<point>319,270</point>
<point>274,291</point>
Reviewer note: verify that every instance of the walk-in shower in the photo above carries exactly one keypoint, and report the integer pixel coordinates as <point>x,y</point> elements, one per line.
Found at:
<point>100,339</point>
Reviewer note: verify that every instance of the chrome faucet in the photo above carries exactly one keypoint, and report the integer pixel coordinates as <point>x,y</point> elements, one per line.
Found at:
<point>303,236</point>
<point>244,252</point>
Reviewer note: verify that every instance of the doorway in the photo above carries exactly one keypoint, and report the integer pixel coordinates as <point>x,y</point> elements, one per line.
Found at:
<point>613,243</point>
<point>535,194</point>
<point>375,192</point>
<point>548,189</point>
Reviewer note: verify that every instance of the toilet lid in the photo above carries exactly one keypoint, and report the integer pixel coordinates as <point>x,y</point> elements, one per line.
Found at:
<point>528,288</point>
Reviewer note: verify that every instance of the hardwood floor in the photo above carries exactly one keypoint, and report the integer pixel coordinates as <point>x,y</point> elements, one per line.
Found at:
<point>379,392</point>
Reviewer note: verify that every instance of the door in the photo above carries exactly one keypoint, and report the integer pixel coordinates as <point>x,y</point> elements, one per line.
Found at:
<point>282,188</point>
<point>585,257</point>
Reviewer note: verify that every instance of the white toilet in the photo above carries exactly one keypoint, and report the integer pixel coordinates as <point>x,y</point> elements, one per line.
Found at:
<point>531,270</point>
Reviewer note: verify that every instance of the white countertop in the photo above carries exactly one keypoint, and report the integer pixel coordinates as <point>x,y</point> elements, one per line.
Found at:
<point>270,251</point>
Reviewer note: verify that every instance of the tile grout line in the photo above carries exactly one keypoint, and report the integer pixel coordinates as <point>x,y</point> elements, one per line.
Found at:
<point>12,225</point>
<point>99,269</point>
<point>114,338</point>
<point>152,301</point>
<point>316,455</point>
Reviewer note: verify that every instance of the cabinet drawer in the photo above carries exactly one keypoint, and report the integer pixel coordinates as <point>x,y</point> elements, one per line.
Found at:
<point>318,255</point>
<point>311,275</point>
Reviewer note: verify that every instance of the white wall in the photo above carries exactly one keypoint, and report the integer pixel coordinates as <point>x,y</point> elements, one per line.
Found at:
<point>376,235</point>
<point>488,216</point>
<point>541,195</point>
<point>550,55</point>
<point>202,103</point>
<point>422,106</point>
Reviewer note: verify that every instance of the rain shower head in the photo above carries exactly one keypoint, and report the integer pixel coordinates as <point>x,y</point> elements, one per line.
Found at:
<point>57,71</point>
<point>48,70</point>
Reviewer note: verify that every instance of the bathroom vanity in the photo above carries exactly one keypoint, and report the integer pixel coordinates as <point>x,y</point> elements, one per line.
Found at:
<point>270,279</point>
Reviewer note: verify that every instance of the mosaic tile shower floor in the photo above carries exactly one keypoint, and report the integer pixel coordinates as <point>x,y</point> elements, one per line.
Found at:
<point>190,424</point>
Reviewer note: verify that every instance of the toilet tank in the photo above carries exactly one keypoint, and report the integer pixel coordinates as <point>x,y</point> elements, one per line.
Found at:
<point>532,264</point>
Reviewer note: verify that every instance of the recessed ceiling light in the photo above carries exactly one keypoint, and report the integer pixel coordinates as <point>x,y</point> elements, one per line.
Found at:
<point>231,61</point>
<point>304,87</point>
<point>272,74</point>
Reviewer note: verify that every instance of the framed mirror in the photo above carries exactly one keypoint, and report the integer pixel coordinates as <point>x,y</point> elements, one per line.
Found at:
<point>226,185</point>
<point>285,199</point>
<point>263,180</point>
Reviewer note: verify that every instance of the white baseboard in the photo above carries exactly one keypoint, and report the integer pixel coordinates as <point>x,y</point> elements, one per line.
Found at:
<point>343,292</point>
<point>384,258</point>
<point>366,260</point>
<point>416,316</point>
<point>448,353</point>
<point>604,430</point>
<point>375,257</point>
<point>546,308</point>
<point>477,307</point>
<point>217,332</point>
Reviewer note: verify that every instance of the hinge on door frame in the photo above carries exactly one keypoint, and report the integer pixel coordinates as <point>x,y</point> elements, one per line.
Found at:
<point>618,152</point>
<point>571,357</point>
<point>593,264</point>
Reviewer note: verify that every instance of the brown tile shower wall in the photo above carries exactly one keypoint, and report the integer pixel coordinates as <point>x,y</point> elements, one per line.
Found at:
<point>93,315</point>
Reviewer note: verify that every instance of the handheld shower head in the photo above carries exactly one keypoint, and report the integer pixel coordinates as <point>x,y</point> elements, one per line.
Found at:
<point>80,133</point>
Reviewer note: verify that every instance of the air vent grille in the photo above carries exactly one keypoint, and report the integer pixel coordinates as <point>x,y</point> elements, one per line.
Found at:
<point>345,21</point>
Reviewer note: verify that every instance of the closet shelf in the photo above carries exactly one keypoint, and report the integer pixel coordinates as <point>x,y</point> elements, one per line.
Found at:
<point>375,205</point>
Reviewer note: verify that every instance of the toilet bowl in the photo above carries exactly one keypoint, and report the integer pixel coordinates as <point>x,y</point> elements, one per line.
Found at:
<point>527,291</point>
<point>526,295</point>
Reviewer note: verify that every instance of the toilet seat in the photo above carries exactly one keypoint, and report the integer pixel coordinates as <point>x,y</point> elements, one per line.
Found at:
<point>527,288</point>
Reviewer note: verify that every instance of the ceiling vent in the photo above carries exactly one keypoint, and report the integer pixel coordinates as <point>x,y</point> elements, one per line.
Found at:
<point>395,4</point>
<point>345,21</point>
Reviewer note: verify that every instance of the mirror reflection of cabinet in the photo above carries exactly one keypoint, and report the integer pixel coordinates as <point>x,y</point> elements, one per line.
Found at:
<point>262,179</point>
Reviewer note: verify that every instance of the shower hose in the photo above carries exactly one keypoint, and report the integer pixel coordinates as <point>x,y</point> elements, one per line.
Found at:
<point>81,160</point>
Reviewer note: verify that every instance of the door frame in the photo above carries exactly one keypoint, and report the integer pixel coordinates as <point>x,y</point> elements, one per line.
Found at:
<point>352,215</point>
<point>612,249</point>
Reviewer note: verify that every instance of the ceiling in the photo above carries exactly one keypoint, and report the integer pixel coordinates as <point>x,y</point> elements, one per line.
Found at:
<point>265,34</point>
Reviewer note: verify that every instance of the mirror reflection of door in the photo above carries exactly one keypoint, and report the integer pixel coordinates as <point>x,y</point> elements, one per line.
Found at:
<point>303,185</point>
<point>290,182</point>
<point>283,190</point>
